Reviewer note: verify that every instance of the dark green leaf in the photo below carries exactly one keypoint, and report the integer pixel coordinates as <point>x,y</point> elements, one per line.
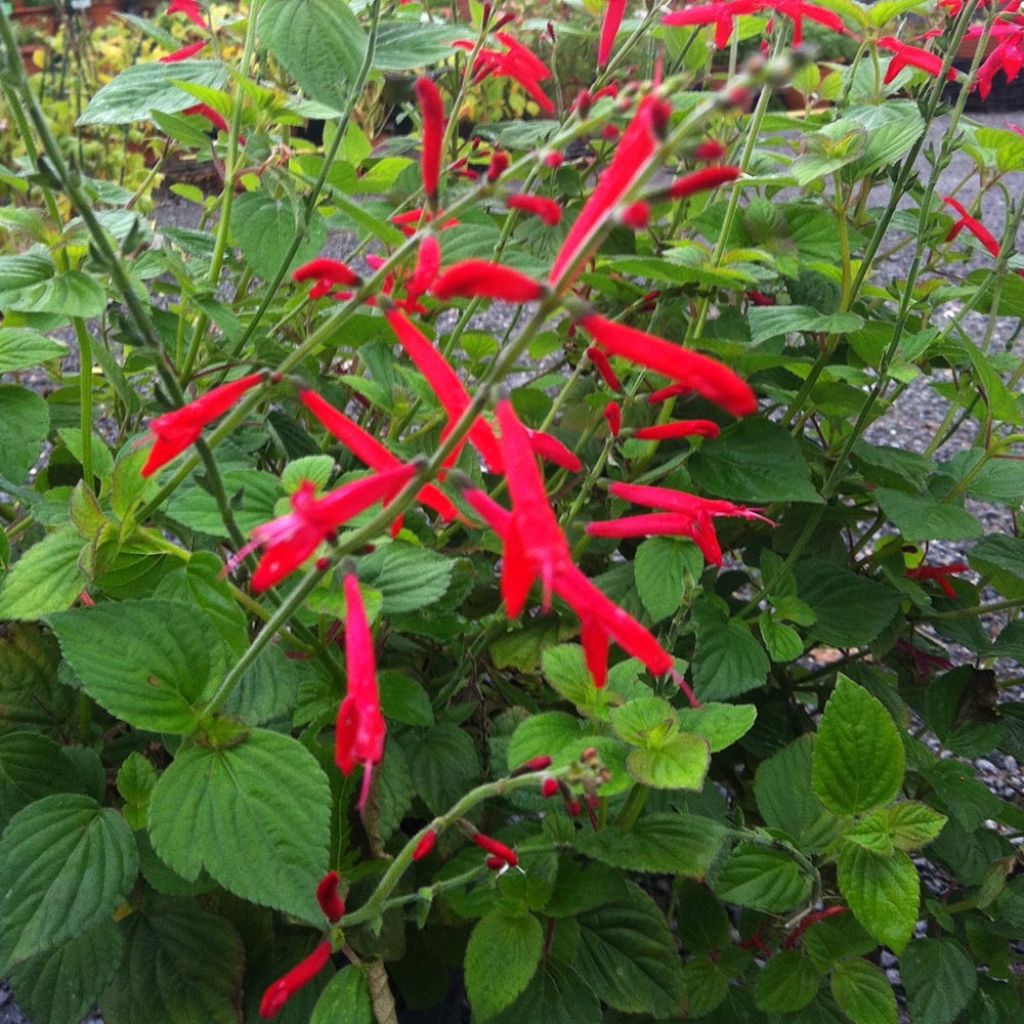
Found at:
<point>31,766</point>
<point>662,566</point>
<point>263,228</point>
<point>922,517</point>
<point>863,993</point>
<point>345,1000</point>
<point>672,844</point>
<point>939,977</point>
<point>443,763</point>
<point>728,660</point>
<point>850,609</point>
<point>763,879</point>
<point>23,428</point>
<point>787,983</point>
<point>501,958</point>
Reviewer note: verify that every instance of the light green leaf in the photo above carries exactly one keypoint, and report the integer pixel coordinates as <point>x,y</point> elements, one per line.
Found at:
<point>872,832</point>
<point>23,428</point>
<point>859,758</point>
<point>319,43</point>
<point>345,1000</point>
<point>565,668</point>
<point>671,844</point>
<point>150,86</point>
<point>410,578</point>
<point>913,825</point>
<point>922,517</point>
<point>782,642</point>
<point>47,578</point>
<point>720,724</point>
<point>786,983</point>
<point>662,566</point>
<point>644,722</point>
<point>883,893</point>
<point>863,993</point>
<point>628,957</point>
<point>21,349</point>
<point>771,321</point>
<point>940,979</point>
<point>763,879</point>
<point>62,985</point>
<point>65,864</point>
<point>252,493</point>
<point>148,662</point>
<point>753,460</point>
<point>317,469</point>
<point>264,227</point>
<point>256,816</point>
<point>181,964</point>
<point>681,763</point>
<point>544,735</point>
<point>501,958</point>
<point>71,294</point>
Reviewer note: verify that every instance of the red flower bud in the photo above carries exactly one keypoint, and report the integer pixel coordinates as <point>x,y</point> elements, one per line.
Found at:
<point>703,180</point>
<point>432,112</point>
<point>636,216</point>
<point>425,846</point>
<point>604,368</point>
<point>497,166</point>
<point>546,209</point>
<point>583,102</point>
<point>495,863</point>
<point>549,787</point>
<point>590,754</point>
<point>327,896</point>
<point>535,764</point>
<point>613,414</point>
<point>478,278</point>
<point>496,849</point>
<point>298,977</point>
<point>709,150</point>
<point>573,807</point>
<point>334,272</point>
<point>554,160</point>
<point>609,132</point>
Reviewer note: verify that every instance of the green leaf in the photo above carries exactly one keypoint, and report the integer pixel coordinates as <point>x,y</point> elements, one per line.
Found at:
<point>136,779</point>
<point>661,567</point>
<point>628,957</point>
<point>319,43</point>
<point>720,724</point>
<point>61,986</point>
<point>565,668</point>
<point>345,1000</point>
<point>545,734</point>
<point>913,825</point>
<point>555,995</point>
<point>256,816</point>
<point>871,832</point>
<point>252,493</point>
<point>264,227</point>
<point>681,763</point>
<point>645,722</point>
<point>939,977</point>
<point>828,942</point>
<point>771,321</point>
<point>863,993</point>
<point>404,700</point>
<point>71,294</point>
<point>444,764</point>
<point>883,893</point>
<point>727,660</point>
<point>763,879</point>
<point>998,551</point>
<point>782,642</point>
<point>47,578</point>
<point>23,428</point>
<point>181,964</point>
<point>786,983</point>
<point>501,958</point>
<point>859,758</point>
<point>31,766</point>
<point>65,864</point>
<point>150,86</point>
<point>317,469</point>
<point>29,691</point>
<point>22,349</point>
<point>850,609</point>
<point>148,662</point>
<point>405,46</point>
<point>671,844</point>
<point>753,460</point>
<point>922,517</point>
<point>410,578</point>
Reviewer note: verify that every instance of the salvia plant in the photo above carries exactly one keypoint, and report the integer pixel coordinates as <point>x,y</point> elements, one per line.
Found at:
<point>460,576</point>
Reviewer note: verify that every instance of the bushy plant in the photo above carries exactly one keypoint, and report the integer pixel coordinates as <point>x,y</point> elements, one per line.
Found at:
<point>461,572</point>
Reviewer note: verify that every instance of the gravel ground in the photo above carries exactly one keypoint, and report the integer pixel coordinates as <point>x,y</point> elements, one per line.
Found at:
<point>909,424</point>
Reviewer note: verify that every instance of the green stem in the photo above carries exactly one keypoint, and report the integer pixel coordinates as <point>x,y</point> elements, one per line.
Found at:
<point>85,396</point>
<point>632,808</point>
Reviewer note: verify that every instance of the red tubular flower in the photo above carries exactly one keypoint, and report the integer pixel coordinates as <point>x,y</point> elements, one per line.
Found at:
<point>323,269</point>
<point>905,55</point>
<point>211,115</point>
<point>191,10</point>
<point>664,394</point>
<point>546,209</point>
<point>721,15</point>
<point>613,415</point>
<point>686,504</point>
<point>290,539</point>
<point>797,10</point>
<point>480,279</point>
<point>360,731</point>
<point>680,428</point>
<point>428,265</point>
<point>408,222</point>
<point>535,764</point>
<point>184,53</point>
<point>498,165</point>
<point>709,150</point>
<point>939,574</point>
<point>327,896</point>
<point>173,432</point>
<point>632,157</point>
<point>976,228</point>
<point>613,14</point>
<point>445,382</point>
<point>1008,57</point>
<point>425,846</point>
<point>496,848</point>
<point>549,788</point>
<point>702,181</point>
<point>432,112</point>
<point>369,450</point>
<point>716,382</point>
<point>495,863</point>
<point>550,449</point>
<point>298,977</point>
<point>760,299</point>
<point>516,62</point>
<point>604,368</point>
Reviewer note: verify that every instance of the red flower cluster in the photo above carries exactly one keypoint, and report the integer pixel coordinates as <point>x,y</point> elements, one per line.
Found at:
<point>683,515</point>
<point>328,274</point>
<point>722,14</point>
<point>1007,56</point>
<point>939,574</point>
<point>515,62</point>
<point>905,55</point>
<point>360,730</point>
